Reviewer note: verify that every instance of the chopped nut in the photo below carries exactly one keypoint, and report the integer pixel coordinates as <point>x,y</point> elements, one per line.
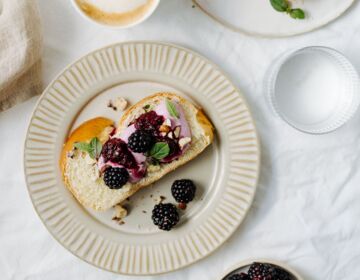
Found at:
<point>164,128</point>
<point>163,134</point>
<point>184,141</point>
<point>159,199</point>
<point>120,103</point>
<point>120,212</point>
<point>170,135</point>
<point>105,134</point>
<point>119,221</point>
<point>177,131</point>
<point>167,122</point>
<point>111,105</point>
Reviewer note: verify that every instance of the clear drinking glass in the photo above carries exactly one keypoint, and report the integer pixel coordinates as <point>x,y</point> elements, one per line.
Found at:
<point>314,89</point>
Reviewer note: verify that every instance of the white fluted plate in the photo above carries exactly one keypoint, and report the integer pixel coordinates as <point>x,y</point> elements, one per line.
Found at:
<point>257,17</point>
<point>226,173</point>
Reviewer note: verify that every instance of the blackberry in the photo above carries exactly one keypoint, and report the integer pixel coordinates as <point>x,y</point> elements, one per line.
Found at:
<point>149,121</point>
<point>165,216</point>
<point>241,276</point>
<point>279,274</point>
<point>264,271</point>
<point>116,150</point>
<point>260,271</point>
<point>140,141</point>
<point>183,190</point>
<point>115,178</point>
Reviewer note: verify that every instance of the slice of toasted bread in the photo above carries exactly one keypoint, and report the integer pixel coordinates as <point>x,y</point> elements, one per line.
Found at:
<point>80,172</point>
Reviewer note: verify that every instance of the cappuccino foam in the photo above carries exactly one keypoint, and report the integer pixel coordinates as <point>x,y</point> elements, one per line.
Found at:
<point>116,12</point>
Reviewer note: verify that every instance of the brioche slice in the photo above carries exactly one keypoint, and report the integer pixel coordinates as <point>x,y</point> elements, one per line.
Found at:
<point>81,174</point>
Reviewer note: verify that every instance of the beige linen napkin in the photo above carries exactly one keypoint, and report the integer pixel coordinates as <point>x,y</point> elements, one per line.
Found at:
<point>20,51</point>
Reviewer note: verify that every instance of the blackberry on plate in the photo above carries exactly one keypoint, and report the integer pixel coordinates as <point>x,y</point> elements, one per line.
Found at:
<point>116,150</point>
<point>140,141</point>
<point>165,216</point>
<point>115,177</point>
<point>183,190</point>
<point>264,271</point>
<point>241,276</point>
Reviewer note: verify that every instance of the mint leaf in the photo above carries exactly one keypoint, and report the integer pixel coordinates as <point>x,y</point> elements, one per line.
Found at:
<point>297,13</point>
<point>171,109</point>
<point>280,5</point>
<point>82,146</point>
<point>93,148</point>
<point>160,150</point>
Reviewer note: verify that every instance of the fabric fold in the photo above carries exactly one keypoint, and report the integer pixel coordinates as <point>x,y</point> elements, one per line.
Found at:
<point>20,52</point>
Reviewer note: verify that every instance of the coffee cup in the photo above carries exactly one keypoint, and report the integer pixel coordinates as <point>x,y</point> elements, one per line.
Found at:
<point>116,13</point>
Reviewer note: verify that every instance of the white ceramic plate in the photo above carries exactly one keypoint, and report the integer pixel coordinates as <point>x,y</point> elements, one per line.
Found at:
<point>257,17</point>
<point>226,173</point>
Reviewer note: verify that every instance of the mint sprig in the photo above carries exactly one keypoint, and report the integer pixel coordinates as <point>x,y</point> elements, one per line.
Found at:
<point>284,6</point>
<point>280,5</point>
<point>297,13</point>
<point>160,150</point>
<point>93,148</point>
<point>172,109</point>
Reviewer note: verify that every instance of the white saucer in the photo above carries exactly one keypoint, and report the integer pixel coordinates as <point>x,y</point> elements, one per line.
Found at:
<point>257,17</point>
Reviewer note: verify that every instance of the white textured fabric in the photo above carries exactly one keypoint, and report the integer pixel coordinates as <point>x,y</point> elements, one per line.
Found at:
<point>20,51</point>
<point>306,211</point>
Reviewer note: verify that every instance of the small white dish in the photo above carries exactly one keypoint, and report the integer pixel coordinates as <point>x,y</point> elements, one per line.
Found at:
<point>314,89</point>
<point>126,24</point>
<point>244,266</point>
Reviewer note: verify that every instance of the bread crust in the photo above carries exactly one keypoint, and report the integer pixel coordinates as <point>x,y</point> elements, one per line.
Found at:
<point>94,127</point>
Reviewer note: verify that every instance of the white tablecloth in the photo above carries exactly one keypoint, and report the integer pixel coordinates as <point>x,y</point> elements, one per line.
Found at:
<point>307,207</point>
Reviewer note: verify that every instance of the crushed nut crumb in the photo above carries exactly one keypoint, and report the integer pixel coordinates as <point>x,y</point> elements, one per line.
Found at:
<point>164,128</point>
<point>177,131</point>
<point>120,212</point>
<point>184,141</point>
<point>120,103</point>
<point>111,105</point>
<point>159,199</point>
